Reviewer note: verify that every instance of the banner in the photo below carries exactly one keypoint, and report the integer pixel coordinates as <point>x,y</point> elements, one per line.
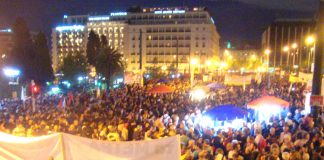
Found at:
<point>237,80</point>
<point>61,146</point>
<point>305,77</point>
<point>30,148</point>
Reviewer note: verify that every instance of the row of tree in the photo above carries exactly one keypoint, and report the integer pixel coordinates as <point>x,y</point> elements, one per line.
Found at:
<point>30,56</point>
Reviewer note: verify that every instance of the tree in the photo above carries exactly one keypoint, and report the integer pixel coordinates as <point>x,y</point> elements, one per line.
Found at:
<point>103,41</point>
<point>43,65</point>
<point>135,9</point>
<point>109,62</point>
<point>22,55</point>
<point>74,66</point>
<point>93,47</point>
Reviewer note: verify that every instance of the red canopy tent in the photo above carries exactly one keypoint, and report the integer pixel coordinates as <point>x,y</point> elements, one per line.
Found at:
<point>266,101</point>
<point>161,89</point>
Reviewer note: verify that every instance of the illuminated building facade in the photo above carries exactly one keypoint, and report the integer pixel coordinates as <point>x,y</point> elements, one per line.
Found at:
<point>6,42</point>
<point>283,33</point>
<point>114,31</point>
<point>66,40</point>
<point>155,36</point>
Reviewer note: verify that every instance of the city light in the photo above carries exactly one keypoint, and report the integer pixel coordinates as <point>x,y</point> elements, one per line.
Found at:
<point>198,94</point>
<point>253,57</point>
<point>310,40</point>
<point>286,49</point>
<point>67,28</point>
<point>118,14</point>
<point>226,53</point>
<point>223,65</point>
<point>267,51</point>
<point>194,61</point>
<point>208,63</point>
<point>164,68</point>
<point>80,78</point>
<point>294,45</point>
<point>11,72</point>
<point>55,90</point>
<point>170,12</point>
<point>6,30</point>
<point>99,18</point>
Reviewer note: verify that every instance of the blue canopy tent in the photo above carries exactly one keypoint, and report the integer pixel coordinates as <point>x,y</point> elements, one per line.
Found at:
<point>226,113</point>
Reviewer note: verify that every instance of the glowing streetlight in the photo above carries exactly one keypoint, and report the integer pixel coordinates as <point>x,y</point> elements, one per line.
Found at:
<point>11,72</point>
<point>227,53</point>
<point>286,49</point>
<point>310,40</point>
<point>194,61</point>
<point>163,68</point>
<point>267,51</point>
<point>223,65</point>
<point>208,63</point>
<point>294,45</point>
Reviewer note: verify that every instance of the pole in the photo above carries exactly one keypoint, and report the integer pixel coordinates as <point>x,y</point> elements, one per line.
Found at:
<point>177,56</point>
<point>308,61</point>
<point>319,51</point>
<point>288,65</point>
<point>33,96</point>
<point>141,58</point>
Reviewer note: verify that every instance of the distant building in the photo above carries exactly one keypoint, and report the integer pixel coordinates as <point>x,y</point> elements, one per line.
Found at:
<point>66,40</point>
<point>75,19</point>
<point>280,36</point>
<point>6,42</point>
<point>161,36</point>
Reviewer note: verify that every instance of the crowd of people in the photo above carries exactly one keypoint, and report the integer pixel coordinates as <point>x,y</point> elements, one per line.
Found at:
<point>131,113</point>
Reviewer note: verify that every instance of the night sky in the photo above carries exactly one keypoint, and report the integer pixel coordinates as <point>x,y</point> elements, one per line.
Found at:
<point>241,21</point>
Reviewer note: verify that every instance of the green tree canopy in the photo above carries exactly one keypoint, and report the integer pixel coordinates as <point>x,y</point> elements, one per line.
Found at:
<point>22,55</point>
<point>43,64</point>
<point>74,66</point>
<point>109,62</point>
<point>93,47</point>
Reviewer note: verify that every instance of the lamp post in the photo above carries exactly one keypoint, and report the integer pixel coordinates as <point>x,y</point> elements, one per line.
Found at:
<point>294,53</point>
<point>267,53</point>
<point>310,42</point>
<point>286,49</point>
<point>208,63</point>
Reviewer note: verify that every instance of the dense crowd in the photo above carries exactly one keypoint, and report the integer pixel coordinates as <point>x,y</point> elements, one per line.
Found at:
<point>130,113</point>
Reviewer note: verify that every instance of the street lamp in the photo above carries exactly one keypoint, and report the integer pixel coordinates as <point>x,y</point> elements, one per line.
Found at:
<point>294,46</point>
<point>227,53</point>
<point>286,49</point>
<point>11,72</point>
<point>164,68</point>
<point>194,61</point>
<point>310,42</point>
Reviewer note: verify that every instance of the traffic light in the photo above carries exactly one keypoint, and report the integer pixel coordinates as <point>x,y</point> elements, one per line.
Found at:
<point>35,89</point>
